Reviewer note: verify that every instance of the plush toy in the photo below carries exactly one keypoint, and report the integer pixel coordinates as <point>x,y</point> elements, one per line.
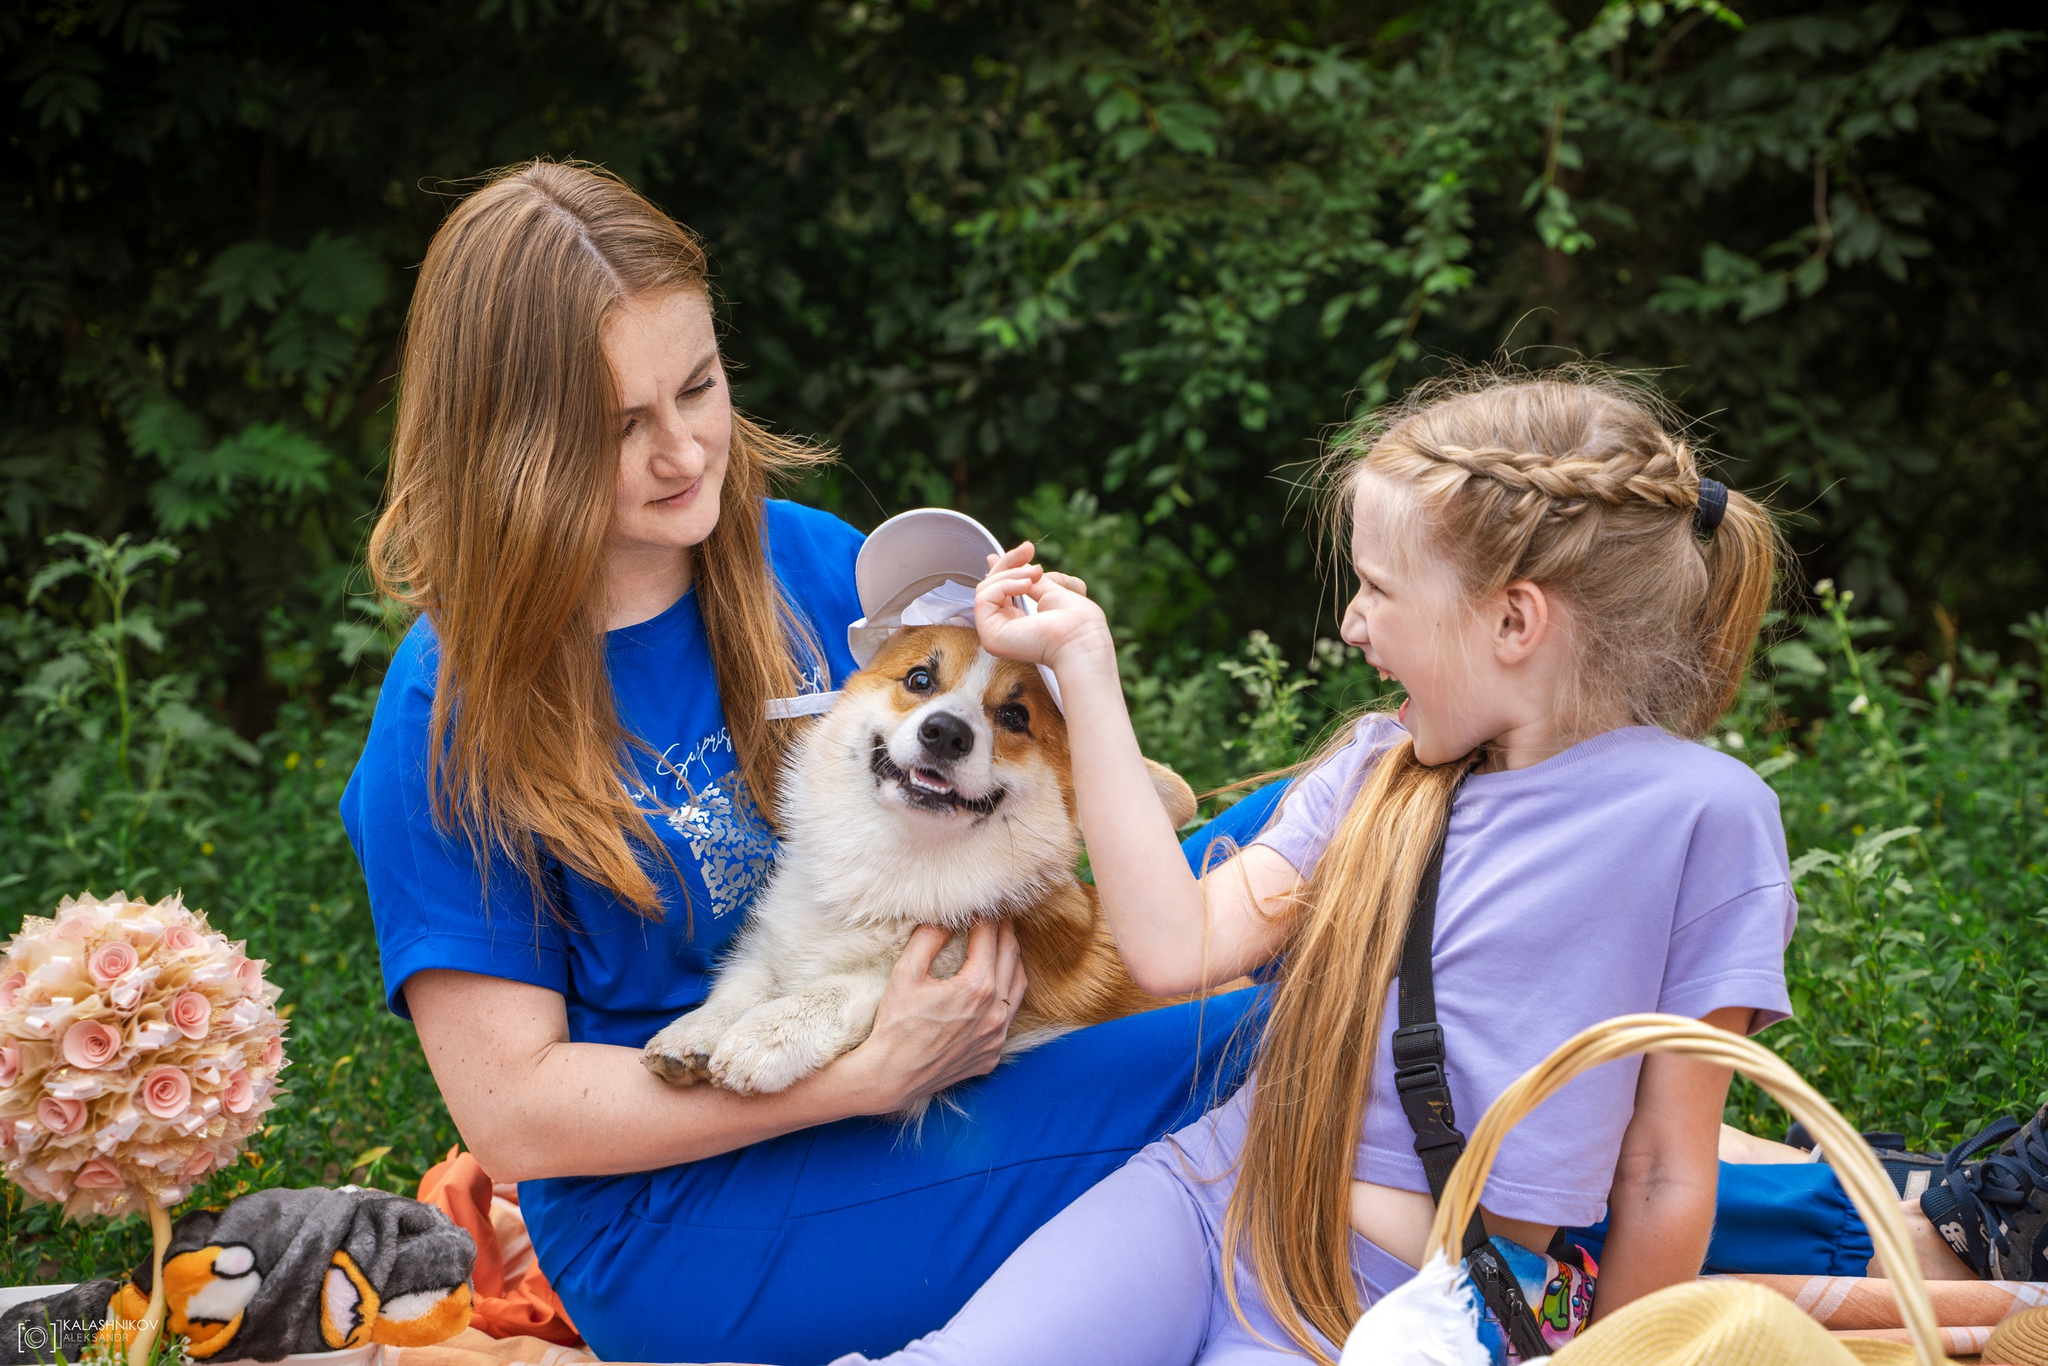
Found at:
<point>278,1272</point>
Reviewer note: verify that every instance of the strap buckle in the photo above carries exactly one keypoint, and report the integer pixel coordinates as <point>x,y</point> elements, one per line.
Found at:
<point>1427,1101</point>
<point>1417,1044</point>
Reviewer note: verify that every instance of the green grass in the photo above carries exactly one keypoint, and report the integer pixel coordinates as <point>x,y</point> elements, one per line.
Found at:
<point>1917,815</point>
<point>1917,812</point>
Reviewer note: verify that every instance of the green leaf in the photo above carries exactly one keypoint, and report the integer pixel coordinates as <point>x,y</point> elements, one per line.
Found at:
<point>167,431</point>
<point>1776,764</point>
<point>339,277</point>
<point>1798,657</point>
<point>52,574</point>
<point>1812,859</point>
<point>63,85</point>
<point>1127,142</point>
<point>203,485</point>
<point>1188,126</point>
<point>248,273</point>
<point>1119,107</point>
<point>1875,841</point>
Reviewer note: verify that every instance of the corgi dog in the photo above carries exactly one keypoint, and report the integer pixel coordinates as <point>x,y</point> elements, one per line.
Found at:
<point>937,791</point>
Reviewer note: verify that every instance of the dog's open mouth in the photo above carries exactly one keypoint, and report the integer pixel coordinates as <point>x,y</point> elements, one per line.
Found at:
<point>927,789</point>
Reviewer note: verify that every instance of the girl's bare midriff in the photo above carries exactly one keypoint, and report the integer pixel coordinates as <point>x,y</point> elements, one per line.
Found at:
<point>1398,1221</point>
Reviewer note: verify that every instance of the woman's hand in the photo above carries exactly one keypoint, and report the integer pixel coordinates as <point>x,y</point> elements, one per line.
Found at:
<point>932,1032</point>
<point>1066,622</point>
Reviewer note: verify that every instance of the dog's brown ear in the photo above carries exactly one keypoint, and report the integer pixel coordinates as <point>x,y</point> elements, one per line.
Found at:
<point>1174,793</point>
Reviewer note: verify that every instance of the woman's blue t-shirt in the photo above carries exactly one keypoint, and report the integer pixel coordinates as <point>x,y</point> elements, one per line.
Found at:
<point>622,976</point>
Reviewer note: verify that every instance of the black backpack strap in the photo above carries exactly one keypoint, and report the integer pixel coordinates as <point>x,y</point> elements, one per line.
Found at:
<point>1419,1079</point>
<point>1419,1042</point>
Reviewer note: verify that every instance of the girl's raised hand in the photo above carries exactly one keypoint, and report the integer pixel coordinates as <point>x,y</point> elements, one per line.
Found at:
<point>1066,620</point>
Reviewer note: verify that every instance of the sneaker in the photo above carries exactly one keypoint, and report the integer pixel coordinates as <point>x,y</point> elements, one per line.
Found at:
<point>1994,1211</point>
<point>1911,1172</point>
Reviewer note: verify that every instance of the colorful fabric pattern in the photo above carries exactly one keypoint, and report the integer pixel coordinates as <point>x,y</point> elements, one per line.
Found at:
<point>1560,1293</point>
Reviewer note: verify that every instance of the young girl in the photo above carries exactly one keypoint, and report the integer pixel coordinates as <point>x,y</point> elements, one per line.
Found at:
<point>1565,599</point>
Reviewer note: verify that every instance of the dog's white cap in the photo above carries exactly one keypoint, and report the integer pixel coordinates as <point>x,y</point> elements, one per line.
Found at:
<point>920,568</point>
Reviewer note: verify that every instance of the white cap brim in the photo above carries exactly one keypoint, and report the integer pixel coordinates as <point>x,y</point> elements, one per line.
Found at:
<point>922,543</point>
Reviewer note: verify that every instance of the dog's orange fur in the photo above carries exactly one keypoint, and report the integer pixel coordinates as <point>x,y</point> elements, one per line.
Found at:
<point>1074,974</point>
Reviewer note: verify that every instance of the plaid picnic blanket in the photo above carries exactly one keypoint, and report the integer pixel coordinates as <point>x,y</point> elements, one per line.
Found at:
<point>1864,1306</point>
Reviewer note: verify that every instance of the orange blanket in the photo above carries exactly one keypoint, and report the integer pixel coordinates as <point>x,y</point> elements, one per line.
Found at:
<point>512,1297</point>
<point>471,1348</point>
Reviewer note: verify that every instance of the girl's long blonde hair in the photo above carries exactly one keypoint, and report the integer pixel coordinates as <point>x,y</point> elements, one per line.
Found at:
<point>1569,479</point>
<point>503,465</point>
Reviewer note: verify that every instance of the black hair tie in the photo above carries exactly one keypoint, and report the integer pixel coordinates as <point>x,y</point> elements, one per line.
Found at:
<point>1713,505</point>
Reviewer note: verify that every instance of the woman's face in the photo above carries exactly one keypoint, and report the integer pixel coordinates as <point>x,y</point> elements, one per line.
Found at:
<point>675,423</point>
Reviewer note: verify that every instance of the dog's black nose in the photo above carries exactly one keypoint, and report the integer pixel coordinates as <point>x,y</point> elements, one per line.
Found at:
<point>945,736</point>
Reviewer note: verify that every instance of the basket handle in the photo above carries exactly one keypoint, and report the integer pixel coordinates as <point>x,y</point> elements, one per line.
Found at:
<point>1869,1188</point>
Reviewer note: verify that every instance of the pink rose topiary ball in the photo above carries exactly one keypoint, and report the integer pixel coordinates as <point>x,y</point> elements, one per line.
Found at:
<point>138,1052</point>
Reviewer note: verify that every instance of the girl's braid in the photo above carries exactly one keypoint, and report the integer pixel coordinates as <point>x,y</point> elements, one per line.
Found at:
<point>1566,486</point>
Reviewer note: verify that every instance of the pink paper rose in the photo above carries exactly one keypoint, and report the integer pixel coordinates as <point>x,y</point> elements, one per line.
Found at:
<point>99,1174</point>
<point>190,1012</point>
<point>91,1044</point>
<point>247,975</point>
<point>10,1067</point>
<point>110,962</point>
<point>10,988</point>
<point>166,1092</point>
<point>178,938</point>
<point>273,1052</point>
<point>61,1116</point>
<point>241,1094</point>
<point>75,927</point>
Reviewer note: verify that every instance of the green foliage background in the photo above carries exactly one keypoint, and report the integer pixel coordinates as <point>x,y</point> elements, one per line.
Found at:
<point>1102,273</point>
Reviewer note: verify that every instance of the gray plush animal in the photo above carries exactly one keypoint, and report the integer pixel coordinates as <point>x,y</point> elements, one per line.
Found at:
<point>277,1272</point>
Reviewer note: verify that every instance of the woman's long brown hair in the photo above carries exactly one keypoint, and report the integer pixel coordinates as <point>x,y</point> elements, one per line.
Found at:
<point>503,465</point>
<point>1570,480</point>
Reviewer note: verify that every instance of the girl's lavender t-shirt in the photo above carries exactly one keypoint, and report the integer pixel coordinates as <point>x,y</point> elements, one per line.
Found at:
<point>1635,871</point>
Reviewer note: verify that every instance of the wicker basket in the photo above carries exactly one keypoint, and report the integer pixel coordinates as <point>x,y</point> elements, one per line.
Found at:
<point>1648,1330</point>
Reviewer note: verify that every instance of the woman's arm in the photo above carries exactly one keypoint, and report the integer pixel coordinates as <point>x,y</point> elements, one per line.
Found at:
<point>1154,905</point>
<point>527,1100</point>
<point>1661,1210</point>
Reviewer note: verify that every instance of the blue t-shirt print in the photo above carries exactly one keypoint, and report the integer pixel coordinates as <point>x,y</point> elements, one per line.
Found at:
<point>698,796</point>
<point>715,816</point>
<point>622,976</point>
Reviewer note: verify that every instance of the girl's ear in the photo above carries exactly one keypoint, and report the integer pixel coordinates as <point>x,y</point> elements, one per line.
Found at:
<point>1522,618</point>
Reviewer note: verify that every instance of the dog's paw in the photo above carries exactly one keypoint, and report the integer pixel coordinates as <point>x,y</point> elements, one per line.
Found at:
<point>686,1070</point>
<point>763,1056</point>
<point>680,1054</point>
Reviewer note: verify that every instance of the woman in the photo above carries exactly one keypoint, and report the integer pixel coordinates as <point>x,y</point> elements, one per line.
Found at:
<point>563,812</point>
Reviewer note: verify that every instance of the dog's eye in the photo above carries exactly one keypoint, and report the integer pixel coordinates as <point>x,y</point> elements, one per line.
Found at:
<point>918,680</point>
<point>1010,716</point>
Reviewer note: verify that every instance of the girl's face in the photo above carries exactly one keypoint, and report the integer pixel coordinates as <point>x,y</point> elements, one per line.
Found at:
<point>675,423</point>
<point>1417,625</point>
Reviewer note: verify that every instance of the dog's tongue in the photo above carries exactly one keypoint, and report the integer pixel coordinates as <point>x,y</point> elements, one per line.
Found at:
<point>929,781</point>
